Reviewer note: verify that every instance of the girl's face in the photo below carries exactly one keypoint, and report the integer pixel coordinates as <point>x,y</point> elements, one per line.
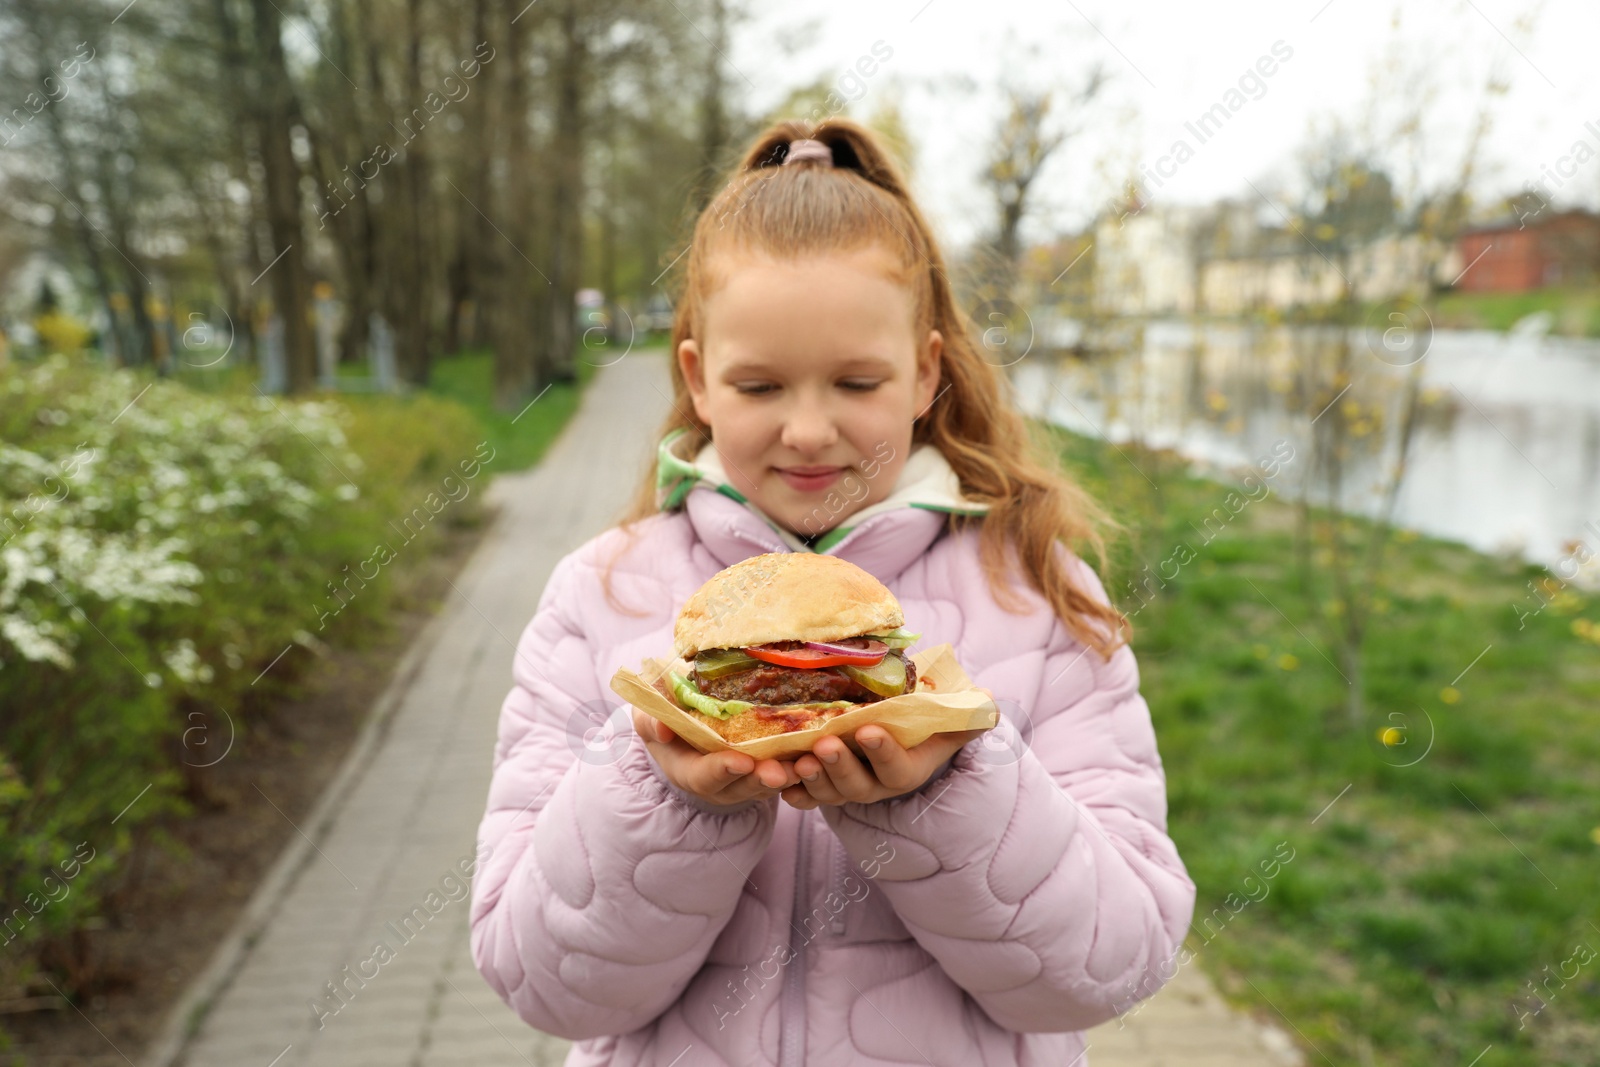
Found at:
<point>809,375</point>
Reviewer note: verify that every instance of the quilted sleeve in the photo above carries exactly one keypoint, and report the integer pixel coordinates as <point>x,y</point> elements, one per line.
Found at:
<point>600,887</point>
<point>1038,871</point>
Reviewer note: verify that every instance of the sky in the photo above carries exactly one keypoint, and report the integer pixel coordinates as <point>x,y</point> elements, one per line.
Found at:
<point>1170,62</point>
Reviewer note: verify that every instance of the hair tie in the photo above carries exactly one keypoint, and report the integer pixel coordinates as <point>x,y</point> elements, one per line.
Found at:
<point>808,149</point>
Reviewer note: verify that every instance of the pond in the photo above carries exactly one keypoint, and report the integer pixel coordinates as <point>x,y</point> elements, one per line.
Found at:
<point>1506,456</point>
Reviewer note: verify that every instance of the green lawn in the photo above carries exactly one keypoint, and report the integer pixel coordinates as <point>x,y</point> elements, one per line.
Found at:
<point>1419,907</point>
<point>1576,310</point>
<point>520,437</point>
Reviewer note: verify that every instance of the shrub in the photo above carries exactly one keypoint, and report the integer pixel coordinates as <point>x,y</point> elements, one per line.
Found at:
<point>159,549</point>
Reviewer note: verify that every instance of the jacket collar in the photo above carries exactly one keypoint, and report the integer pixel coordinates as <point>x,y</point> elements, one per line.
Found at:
<point>882,539</point>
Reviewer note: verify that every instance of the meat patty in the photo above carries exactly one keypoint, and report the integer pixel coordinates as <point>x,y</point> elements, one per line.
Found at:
<point>772,684</point>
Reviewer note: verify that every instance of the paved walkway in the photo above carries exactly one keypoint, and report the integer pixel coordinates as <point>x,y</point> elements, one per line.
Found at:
<point>404,811</point>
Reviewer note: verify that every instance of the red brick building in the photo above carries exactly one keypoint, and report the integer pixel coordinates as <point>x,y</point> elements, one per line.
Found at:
<point>1546,249</point>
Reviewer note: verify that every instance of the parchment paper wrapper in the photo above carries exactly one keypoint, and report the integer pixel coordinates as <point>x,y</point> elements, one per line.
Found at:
<point>945,701</point>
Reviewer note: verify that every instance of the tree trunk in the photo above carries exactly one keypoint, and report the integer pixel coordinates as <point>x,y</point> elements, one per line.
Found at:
<point>233,72</point>
<point>342,189</point>
<point>288,275</point>
<point>477,255</point>
<point>71,174</point>
<point>512,320</point>
<point>410,296</point>
<point>566,200</point>
<point>84,230</point>
<point>713,109</point>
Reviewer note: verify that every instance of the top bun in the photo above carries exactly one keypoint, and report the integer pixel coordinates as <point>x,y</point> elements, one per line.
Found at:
<point>784,596</point>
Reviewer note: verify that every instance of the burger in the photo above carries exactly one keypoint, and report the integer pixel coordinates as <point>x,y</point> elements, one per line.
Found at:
<point>784,641</point>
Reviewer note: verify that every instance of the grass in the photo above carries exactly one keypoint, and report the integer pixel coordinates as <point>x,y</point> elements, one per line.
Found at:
<point>1444,878</point>
<point>1576,310</point>
<point>519,439</point>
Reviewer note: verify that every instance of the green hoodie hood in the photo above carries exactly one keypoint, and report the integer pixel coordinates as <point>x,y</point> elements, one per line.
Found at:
<point>927,481</point>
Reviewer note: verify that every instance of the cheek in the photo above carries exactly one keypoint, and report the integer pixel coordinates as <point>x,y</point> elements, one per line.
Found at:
<point>882,446</point>
<point>743,437</point>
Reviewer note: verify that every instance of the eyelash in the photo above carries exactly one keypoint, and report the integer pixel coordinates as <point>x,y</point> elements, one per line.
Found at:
<point>763,390</point>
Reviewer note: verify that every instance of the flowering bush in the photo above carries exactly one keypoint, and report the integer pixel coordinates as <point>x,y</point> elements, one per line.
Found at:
<point>159,549</point>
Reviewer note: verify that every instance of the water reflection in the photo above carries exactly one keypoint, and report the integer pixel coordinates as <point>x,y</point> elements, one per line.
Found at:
<point>1506,456</point>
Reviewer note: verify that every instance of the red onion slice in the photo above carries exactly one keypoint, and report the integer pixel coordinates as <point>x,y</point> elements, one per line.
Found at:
<point>868,652</point>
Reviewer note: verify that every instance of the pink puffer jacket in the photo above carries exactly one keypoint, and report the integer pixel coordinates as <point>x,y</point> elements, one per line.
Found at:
<point>1027,892</point>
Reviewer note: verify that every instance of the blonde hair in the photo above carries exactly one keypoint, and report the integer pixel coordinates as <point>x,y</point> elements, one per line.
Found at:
<point>809,208</point>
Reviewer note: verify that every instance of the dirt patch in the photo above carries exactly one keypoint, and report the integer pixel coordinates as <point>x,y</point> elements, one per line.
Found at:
<point>180,901</point>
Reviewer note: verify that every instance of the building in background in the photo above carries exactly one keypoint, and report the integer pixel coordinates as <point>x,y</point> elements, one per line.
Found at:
<point>1530,252</point>
<point>1223,259</point>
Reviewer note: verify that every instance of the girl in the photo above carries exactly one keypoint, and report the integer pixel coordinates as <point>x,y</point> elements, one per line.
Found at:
<point>978,899</point>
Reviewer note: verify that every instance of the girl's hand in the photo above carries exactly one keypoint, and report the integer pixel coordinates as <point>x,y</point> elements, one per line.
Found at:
<point>832,774</point>
<point>722,779</point>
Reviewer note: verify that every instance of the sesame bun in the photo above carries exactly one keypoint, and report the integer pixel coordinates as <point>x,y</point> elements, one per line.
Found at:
<point>784,596</point>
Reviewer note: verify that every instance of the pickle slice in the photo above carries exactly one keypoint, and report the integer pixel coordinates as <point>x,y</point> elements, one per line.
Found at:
<point>887,679</point>
<point>720,662</point>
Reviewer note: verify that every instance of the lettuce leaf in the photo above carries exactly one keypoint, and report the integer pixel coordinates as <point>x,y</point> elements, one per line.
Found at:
<point>899,637</point>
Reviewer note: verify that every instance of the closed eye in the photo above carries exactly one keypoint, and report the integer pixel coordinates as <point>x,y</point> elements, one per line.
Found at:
<point>860,386</point>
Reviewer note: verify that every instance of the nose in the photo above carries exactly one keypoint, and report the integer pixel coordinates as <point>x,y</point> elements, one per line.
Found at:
<point>808,428</point>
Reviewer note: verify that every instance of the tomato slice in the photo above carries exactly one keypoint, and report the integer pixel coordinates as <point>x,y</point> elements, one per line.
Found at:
<point>811,657</point>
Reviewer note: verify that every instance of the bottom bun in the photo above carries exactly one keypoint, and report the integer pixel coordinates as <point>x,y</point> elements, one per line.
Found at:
<point>748,726</point>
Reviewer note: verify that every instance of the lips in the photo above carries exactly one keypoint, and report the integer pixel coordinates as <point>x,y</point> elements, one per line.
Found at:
<point>809,479</point>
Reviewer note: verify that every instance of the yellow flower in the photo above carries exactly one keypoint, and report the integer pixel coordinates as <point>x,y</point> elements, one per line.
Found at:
<point>1392,736</point>
<point>1289,662</point>
<point>1450,695</point>
<point>1594,835</point>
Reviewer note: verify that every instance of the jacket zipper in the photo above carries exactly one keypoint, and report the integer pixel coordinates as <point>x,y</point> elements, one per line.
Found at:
<point>792,1008</point>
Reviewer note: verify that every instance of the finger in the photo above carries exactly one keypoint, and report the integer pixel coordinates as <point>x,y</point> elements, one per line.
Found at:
<point>892,765</point>
<point>843,772</point>
<point>815,784</point>
<point>776,774</point>
<point>798,797</point>
<point>807,766</point>
<point>712,773</point>
<point>651,728</point>
<point>768,779</point>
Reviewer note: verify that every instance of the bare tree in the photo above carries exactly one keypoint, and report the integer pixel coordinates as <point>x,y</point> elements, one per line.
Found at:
<point>1350,201</point>
<point>1029,136</point>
